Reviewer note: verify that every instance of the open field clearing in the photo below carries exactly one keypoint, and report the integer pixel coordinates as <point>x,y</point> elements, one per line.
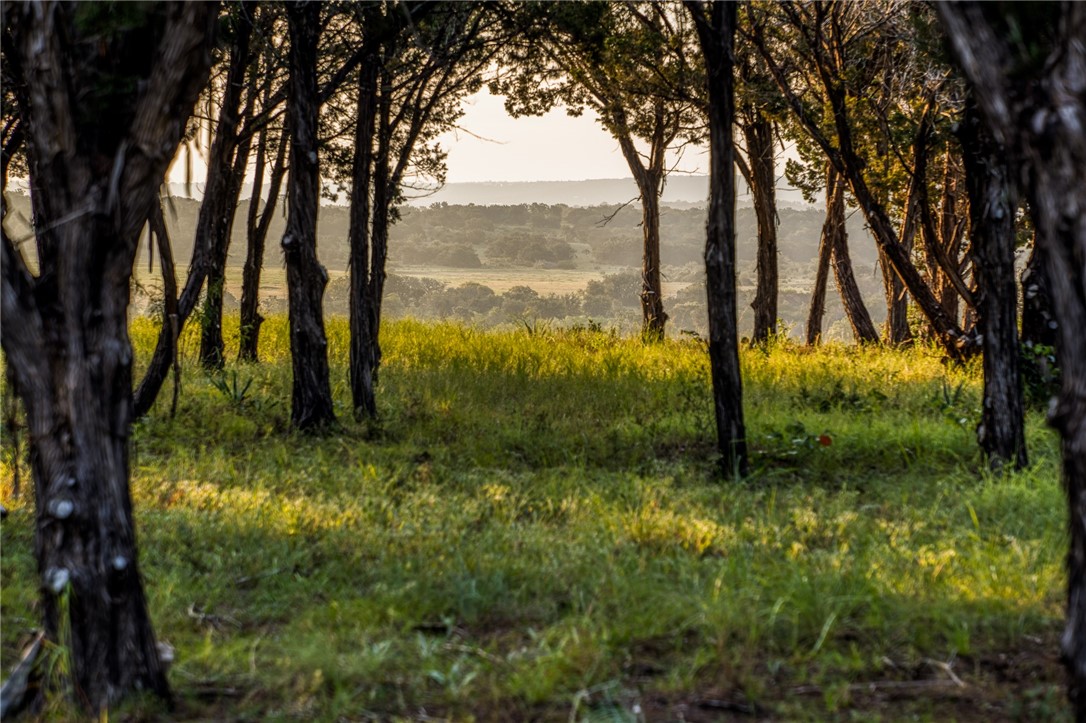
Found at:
<point>536,530</point>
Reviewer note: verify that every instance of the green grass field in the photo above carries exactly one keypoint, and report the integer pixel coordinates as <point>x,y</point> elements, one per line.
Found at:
<point>535,531</point>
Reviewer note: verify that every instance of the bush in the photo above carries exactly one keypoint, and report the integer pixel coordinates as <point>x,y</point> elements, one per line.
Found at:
<point>457,257</point>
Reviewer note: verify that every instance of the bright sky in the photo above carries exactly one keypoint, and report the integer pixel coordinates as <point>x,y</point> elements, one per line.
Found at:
<point>494,146</point>
<point>555,147</point>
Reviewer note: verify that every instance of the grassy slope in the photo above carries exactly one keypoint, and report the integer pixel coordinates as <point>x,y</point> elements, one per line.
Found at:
<point>533,531</point>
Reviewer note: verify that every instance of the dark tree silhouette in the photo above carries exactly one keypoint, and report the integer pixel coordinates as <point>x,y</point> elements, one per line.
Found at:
<point>105,93</point>
<point>311,398</point>
<point>234,148</point>
<point>715,24</point>
<point>993,202</point>
<point>1027,65</point>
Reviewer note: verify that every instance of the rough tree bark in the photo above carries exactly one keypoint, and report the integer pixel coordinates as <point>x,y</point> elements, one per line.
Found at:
<point>758,132</point>
<point>943,237</point>
<point>210,226</point>
<point>831,227</point>
<point>1035,106</point>
<point>96,176</point>
<point>992,204</point>
<point>362,363</point>
<point>715,23</point>
<point>896,331</point>
<point>311,396</point>
<point>650,179</point>
<point>366,335</point>
<point>211,341</point>
<point>257,224</point>
<point>157,228</point>
<point>863,329</point>
<point>835,242</point>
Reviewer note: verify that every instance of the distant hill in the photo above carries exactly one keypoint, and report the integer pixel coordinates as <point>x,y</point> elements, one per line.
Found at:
<point>681,191</point>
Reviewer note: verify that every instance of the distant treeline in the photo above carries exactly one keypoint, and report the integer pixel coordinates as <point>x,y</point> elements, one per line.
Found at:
<point>525,235</point>
<point>596,238</point>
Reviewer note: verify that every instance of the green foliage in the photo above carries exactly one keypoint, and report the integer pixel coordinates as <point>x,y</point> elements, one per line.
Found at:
<point>534,530</point>
<point>232,389</point>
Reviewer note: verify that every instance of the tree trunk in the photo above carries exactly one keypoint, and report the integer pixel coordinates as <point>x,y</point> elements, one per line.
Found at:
<point>830,228</point>
<point>653,316</point>
<point>759,137</point>
<point>384,188</point>
<point>863,329</point>
<point>649,181</point>
<point>362,362</point>
<point>951,233</point>
<point>212,348</point>
<point>1036,107</point>
<point>211,341</point>
<point>257,226</point>
<point>992,205</point>
<point>896,330</point>
<point>311,399</point>
<point>715,23</point>
<point>96,179</point>
<point>942,241</point>
<point>157,227</point>
<point>894,256</point>
<point>215,206</point>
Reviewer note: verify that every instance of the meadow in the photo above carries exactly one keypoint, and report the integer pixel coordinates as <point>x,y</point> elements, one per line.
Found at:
<point>536,529</point>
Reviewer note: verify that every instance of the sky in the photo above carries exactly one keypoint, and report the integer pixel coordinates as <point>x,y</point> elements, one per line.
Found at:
<point>492,146</point>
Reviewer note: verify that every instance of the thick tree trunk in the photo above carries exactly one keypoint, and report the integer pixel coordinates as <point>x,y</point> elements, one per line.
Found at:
<point>759,137</point>
<point>1056,184</point>
<point>257,226</point>
<point>830,228</point>
<point>311,398</point>
<point>1036,107</point>
<point>96,179</point>
<point>992,205</point>
<point>85,540</point>
<point>715,24</point>
<point>211,341</point>
<point>362,362</point>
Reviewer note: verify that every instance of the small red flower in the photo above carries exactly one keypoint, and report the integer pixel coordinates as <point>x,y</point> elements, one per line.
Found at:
<point>824,440</point>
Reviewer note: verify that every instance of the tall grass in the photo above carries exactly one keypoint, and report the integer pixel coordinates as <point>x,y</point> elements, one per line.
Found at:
<point>535,529</point>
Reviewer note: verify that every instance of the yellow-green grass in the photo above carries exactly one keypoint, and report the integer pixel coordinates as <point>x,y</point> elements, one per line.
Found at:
<point>536,529</point>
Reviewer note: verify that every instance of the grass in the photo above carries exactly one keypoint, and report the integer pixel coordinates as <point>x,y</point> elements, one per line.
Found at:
<point>535,531</point>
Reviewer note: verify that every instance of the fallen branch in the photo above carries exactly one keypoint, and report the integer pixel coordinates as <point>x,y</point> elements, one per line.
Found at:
<point>13,692</point>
